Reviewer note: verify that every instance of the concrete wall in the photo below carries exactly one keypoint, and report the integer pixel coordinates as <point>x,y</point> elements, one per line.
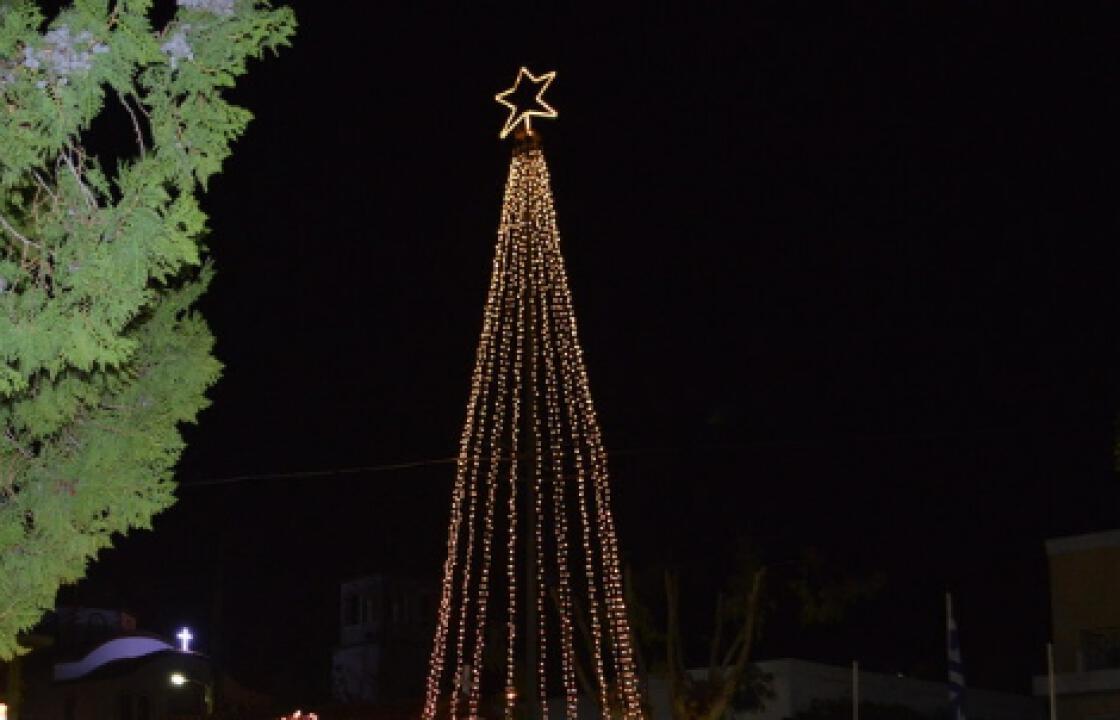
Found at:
<point>1097,706</point>
<point>355,673</point>
<point>1084,585</point>
<point>797,683</point>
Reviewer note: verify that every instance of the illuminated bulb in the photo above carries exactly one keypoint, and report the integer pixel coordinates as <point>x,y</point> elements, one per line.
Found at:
<point>516,115</point>
<point>530,426</point>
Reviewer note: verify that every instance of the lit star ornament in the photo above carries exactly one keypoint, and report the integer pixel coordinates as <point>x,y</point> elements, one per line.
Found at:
<point>516,114</point>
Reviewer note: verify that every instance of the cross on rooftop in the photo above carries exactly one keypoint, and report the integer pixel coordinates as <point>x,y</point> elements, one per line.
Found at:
<point>185,638</point>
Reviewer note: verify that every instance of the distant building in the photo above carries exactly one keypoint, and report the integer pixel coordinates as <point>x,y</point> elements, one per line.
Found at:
<point>385,635</point>
<point>1085,626</point>
<point>798,684</point>
<point>92,664</point>
<point>130,678</point>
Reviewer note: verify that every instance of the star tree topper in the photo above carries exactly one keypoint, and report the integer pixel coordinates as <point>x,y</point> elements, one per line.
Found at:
<point>517,114</point>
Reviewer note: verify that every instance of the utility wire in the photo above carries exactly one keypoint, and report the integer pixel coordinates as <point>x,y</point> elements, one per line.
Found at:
<point>317,473</point>
<point>359,469</point>
<point>432,462</point>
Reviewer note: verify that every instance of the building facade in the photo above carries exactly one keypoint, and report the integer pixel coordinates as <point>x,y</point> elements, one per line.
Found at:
<point>802,686</point>
<point>1085,626</point>
<point>93,664</point>
<point>385,634</point>
<point>799,684</point>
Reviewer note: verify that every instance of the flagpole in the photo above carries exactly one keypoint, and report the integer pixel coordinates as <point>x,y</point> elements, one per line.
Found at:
<point>948,626</point>
<point>1050,680</point>
<point>956,667</point>
<point>855,690</point>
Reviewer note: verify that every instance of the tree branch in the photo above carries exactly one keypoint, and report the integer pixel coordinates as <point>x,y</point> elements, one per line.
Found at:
<point>632,603</point>
<point>672,640</point>
<point>581,673</point>
<point>582,678</point>
<point>732,650</point>
<point>135,124</point>
<point>745,641</point>
<point>16,234</point>
<point>89,196</point>
<point>18,446</point>
<point>714,654</point>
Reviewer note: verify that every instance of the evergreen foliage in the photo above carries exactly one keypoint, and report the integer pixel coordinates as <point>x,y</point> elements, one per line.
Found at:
<point>101,355</point>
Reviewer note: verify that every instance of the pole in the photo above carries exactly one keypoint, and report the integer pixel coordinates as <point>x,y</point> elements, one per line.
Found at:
<point>1050,680</point>
<point>15,688</point>
<point>855,690</point>
<point>531,581</point>
<point>529,379</point>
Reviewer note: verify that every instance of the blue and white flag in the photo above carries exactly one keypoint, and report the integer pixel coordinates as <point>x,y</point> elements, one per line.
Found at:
<point>956,666</point>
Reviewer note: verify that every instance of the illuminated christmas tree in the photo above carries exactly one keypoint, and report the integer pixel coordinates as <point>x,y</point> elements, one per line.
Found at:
<point>532,605</point>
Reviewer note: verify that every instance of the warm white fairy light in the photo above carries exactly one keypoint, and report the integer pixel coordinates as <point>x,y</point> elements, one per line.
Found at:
<point>466,469</point>
<point>496,451</point>
<point>519,115</point>
<point>560,525</point>
<point>591,572</point>
<point>585,417</point>
<point>547,248</point>
<point>494,454</point>
<point>532,306</point>
<point>530,428</point>
<point>621,644</point>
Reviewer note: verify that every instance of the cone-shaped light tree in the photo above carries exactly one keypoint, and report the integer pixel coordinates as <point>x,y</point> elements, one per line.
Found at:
<point>531,614</point>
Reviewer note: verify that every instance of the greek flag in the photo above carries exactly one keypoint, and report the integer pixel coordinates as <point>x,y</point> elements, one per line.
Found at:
<point>956,666</point>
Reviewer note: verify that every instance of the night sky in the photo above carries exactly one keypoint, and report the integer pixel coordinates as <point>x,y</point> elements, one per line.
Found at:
<point>845,275</point>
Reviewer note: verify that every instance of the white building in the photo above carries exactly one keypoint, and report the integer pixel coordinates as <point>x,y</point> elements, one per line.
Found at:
<point>797,684</point>
<point>385,634</point>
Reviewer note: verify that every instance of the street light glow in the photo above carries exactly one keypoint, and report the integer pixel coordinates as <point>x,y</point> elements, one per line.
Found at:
<point>178,679</point>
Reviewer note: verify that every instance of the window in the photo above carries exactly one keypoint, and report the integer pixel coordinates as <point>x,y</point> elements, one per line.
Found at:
<point>367,610</point>
<point>1101,648</point>
<point>359,610</point>
<point>350,610</point>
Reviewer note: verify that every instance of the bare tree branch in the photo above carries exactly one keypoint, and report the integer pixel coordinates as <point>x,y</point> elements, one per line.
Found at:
<point>730,682</point>
<point>631,602</point>
<point>716,636</point>
<point>582,677</point>
<point>732,650</point>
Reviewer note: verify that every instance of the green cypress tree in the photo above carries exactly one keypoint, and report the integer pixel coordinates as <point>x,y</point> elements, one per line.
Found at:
<point>101,355</point>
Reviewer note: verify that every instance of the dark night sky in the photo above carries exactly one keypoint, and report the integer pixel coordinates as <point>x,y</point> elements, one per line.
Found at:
<point>845,276</point>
